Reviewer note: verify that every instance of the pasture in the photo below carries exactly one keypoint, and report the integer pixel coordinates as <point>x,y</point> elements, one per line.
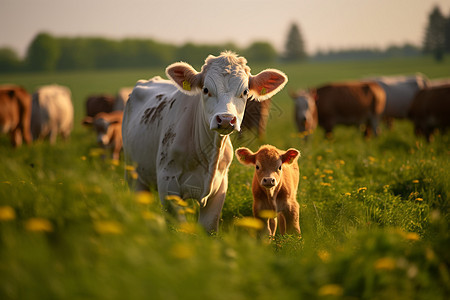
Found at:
<point>374,214</point>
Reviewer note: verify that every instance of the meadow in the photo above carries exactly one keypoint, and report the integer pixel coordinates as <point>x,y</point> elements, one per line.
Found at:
<point>374,213</point>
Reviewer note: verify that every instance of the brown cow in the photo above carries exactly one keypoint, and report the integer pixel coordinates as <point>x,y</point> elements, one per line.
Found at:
<point>350,103</point>
<point>305,113</point>
<point>15,113</point>
<point>255,117</point>
<point>274,186</point>
<point>430,110</point>
<point>99,103</point>
<point>109,130</point>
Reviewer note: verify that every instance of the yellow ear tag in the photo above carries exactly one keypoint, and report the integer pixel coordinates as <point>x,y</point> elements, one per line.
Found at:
<point>263,91</point>
<point>186,85</point>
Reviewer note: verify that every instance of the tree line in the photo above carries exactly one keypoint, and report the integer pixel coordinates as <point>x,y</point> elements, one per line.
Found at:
<point>49,53</point>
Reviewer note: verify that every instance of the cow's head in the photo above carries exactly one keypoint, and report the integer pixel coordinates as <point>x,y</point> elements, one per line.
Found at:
<point>102,124</point>
<point>305,111</point>
<point>225,84</point>
<point>268,163</point>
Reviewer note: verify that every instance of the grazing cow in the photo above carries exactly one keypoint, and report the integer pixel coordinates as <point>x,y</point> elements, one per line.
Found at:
<point>177,131</point>
<point>52,113</point>
<point>15,113</point>
<point>350,103</point>
<point>256,116</point>
<point>108,127</point>
<point>430,110</point>
<point>400,92</point>
<point>274,185</point>
<point>305,113</point>
<point>99,103</point>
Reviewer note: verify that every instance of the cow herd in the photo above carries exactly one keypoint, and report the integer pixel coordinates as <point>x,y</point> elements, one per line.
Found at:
<point>176,132</point>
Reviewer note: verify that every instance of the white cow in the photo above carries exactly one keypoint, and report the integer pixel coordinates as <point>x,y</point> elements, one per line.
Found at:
<point>177,131</point>
<point>51,113</point>
<point>400,92</point>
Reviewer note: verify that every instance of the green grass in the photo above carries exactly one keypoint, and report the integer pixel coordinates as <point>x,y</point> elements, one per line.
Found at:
<point>374,213</point>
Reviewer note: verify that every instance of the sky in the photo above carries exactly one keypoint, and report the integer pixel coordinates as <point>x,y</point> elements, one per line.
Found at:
<point>324,24</point>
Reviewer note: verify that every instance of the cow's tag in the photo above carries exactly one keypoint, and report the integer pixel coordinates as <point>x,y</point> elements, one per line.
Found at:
<point>186,85</point>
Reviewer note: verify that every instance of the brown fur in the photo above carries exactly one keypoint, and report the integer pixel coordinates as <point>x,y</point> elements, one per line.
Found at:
<point>350,103</point>
<point>274,188</point>
<point>15,113</point>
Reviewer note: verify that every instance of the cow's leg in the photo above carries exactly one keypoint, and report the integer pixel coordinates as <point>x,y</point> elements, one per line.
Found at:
<point>272,225</point>
<point>281,223</point>
<point>210,213</point>
<point>291,215</point>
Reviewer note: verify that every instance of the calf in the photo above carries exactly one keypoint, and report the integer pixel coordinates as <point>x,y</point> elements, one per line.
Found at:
<point>108,127</point>
<point>100,103</point>
<point>274,185</point>
<point>15,113</point>
<point>305,113</point>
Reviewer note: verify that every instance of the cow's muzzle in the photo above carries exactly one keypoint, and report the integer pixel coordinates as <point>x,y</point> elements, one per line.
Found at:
<point>268,182</point>
<point>224,123</point>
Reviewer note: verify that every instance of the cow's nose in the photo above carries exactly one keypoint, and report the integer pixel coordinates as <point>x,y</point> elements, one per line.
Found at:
<point>268,182</point>
<point>226,120</point>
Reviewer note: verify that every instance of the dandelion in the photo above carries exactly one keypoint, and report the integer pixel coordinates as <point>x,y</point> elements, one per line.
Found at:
<point>188,210</point>
<point>267,214</point>
<point>304,177</point>
<point>96,152</point>
<point>419,199</point>
<point>325,184</point>
<point>372,159</point>
<point>347,194</point>
<point>249,223</point>
<point>178,201</point>
<point>412,236</point>
<point>114,162</point>
<point>108,227</point>
<point>144,197</point>
<point>83,157</point>
<point>130,168</point>
<point>323,255</point>
<point>319,157</point>
<point>362,189</point>
<point>415,181</point>
<point>38,225</point>
<point>7,213</point>
<point>385,263</point>
<point>331,290</point>
<point>189,228</point>
<point>328,171</point>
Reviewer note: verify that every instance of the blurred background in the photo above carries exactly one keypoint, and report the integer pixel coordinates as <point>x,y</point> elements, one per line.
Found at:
<point>83,35</point>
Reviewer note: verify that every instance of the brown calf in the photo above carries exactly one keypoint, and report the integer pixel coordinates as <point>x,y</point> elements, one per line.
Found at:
<point>15,113</point>
<point>274,186</point>
<point>108,127</point>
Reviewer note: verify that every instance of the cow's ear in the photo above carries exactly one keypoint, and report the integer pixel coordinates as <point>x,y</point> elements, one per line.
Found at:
<point>289,156</point>
<point>267,83</point>
<point>185,77</point>
<point>88,121</point>
<point>245,156</point>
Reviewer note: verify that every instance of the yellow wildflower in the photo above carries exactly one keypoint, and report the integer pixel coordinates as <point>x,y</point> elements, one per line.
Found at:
<point>325,184</point>
<point>347,194</point>
<point>412,236</point>
<point>331,290</point>
<point>38,225</point>
<point>181,251</point>
<point>7,213</point>
<point>385,263</point>
<point>250,223</point>
<point>415,181</point>
<point>323,255</point>
<point>108,227</point>
<point>144,197</point>
<point>267,214</point>
<point>362,189</point>
<point>419,199</point>
<point>327,171</point>
<point>178,201</point>
<point>189,228</point>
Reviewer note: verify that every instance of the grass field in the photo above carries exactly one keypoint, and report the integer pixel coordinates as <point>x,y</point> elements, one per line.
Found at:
<point>374,213</point>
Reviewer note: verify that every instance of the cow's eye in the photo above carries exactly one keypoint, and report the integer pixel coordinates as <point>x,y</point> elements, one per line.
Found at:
<point>245,93</point>
<point>205,91</point>
<point>279,168</point>
<point>257,167</point>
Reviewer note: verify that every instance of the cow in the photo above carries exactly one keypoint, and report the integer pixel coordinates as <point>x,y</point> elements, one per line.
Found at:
<point>176,131</point>
<point>100,103</point>
<point>52,113</point>
<point>15,114</point>
<point>108,127</point>
<point>256,116</point>
<point>305,112</point>
<point>122,97</point>
<point>274,186</point>
<point>430,110</point>
<point>400,92</point>
<point>350,103</point>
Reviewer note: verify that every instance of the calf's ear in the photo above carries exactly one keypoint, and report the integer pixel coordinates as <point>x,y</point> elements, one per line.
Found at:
<point>267,83</point>
<point>87,121</point>
<point>245,156</point>
<point>289,156</point>
<point>185,77</point>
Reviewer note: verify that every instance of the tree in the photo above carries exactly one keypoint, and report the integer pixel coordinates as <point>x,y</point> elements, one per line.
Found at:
<point>434,40</point>
<point>447,34</point>
<point>9,61</point>
<point>43,53</point>
<point>295,46</point>
<point>260,52</point>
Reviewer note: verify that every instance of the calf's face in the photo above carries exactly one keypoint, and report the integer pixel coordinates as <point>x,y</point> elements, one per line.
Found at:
<point>269,163</point>
<point>225,84</point>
